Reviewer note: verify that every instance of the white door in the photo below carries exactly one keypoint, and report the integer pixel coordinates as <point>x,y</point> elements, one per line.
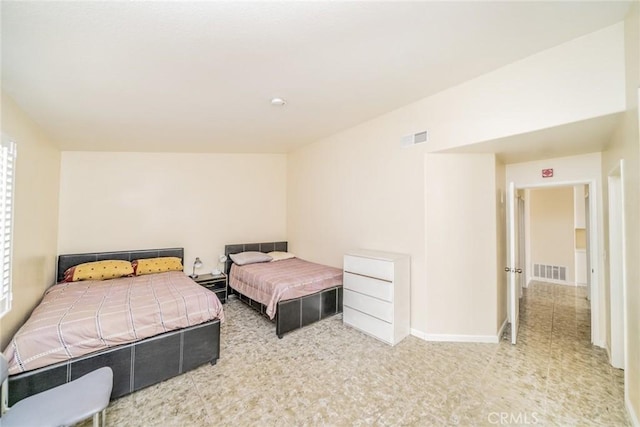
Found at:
<point>512,257</point>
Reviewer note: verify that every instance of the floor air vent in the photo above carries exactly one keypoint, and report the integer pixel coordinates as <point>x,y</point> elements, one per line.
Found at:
<point>553,272</point>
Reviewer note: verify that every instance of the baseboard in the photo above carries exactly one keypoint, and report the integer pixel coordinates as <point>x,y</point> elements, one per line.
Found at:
<point>632,414</point>
<point>502,328</point>
<point>554,281</point>
<point>492,339</point>
<point>418,334</point>
<point>600,344</point>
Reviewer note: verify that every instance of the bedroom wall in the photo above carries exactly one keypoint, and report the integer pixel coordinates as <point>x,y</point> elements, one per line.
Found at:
<point>36,215</point>
<point>625,145</point>
<point>461,271</point>
<point>577,80</point>
<point>501,239</point>
<point>360,188</point>
<point>118,201</point>
<point>551,228</point>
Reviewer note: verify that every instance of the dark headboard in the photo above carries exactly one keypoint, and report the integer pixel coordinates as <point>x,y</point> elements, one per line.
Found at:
<point>67,261</point>
<point>258,247</point>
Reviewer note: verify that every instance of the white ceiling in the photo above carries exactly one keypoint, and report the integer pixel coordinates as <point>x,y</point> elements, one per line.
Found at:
<point>198,76</point>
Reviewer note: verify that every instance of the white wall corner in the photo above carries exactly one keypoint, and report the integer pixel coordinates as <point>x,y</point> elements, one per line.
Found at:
<point>632,413</point>
<point>418,334</point>
<point>502,328</point>
<point>602,344</point>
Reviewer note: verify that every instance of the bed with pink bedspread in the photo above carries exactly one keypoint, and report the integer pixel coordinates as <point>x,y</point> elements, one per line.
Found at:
<point>78,318</point>
<point>147,328</point>
<point>272,282</point>
<point>291,292</point>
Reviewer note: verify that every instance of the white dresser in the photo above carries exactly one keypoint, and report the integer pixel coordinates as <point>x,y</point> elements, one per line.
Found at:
<point>376,294</point>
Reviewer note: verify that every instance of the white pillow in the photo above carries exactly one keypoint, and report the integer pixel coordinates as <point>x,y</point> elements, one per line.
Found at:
<point>250,257</point>
<point>279,256</point>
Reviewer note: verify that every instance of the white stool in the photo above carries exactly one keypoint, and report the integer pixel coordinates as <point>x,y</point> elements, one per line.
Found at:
<point>63,405</point>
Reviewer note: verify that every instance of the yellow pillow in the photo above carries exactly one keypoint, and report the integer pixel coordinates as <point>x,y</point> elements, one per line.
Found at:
<point>156,265</point>
<point>98,270</point>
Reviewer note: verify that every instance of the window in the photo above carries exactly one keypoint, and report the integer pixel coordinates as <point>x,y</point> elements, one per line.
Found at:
<point>7,181</point>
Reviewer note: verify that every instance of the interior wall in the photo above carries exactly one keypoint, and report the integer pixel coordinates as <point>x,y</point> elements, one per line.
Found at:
<point>625,145</point>
<point>551,227</point>
<point>119,201</point>
<point>36,215</point>
<point>462,275</point>
<point>580,79</point>
<point>578,206</point>
<point>580,238</point>
<point>360,188</point>
<point>501,239</point>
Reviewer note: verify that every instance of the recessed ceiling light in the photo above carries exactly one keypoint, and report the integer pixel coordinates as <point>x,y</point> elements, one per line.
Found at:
<point>278,102</point>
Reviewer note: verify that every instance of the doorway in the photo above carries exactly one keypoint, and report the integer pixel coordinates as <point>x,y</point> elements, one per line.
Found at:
<point>556,231</point>
<point>535,265</point>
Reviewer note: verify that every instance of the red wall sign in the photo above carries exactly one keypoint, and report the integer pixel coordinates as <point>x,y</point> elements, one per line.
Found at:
<point>547,173</point>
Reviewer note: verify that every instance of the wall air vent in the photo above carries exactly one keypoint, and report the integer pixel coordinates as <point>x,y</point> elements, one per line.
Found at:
<point>552,272</point>
<point>416,138</point>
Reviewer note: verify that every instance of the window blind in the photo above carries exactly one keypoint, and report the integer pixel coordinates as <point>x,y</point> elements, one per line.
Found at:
<point>7,183</point>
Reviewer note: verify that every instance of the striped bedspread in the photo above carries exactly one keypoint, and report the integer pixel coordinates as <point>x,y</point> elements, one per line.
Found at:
<point>271,282</point>
<point>79,318</point>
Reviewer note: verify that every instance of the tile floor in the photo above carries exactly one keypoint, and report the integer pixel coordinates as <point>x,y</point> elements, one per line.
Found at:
<point>331,375</point>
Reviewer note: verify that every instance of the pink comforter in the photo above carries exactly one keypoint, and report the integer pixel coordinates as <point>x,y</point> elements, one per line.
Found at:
<point>271,282</point>
<point>78,318</point>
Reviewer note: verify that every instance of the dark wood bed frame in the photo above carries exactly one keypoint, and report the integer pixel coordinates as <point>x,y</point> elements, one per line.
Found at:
<point>135,365</point>
<point>294,313</point>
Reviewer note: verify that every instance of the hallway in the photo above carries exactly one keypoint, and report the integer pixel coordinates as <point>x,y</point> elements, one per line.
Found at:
<point>554,370</point>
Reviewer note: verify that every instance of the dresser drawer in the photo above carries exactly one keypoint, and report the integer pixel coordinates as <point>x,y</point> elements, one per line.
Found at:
<point>369,286</point>
<point>373,306</point>
<point>370,325</point>
<point>376,268</point>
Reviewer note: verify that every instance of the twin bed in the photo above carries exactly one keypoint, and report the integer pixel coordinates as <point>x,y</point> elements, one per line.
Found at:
<point>292,292</point>
<point>153,327</point>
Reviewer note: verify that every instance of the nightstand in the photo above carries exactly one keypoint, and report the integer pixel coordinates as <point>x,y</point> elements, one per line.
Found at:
<point>215,283</point>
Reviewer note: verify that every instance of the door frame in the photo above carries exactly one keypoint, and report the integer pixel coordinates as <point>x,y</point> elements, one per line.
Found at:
<point>587,222</point>
<point>617,259</point>
<point>514,292</point>
<point>522,244</point>
<point>594,248</point>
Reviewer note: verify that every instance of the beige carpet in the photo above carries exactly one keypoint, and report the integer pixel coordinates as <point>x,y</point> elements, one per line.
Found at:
<point>328,374</point>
